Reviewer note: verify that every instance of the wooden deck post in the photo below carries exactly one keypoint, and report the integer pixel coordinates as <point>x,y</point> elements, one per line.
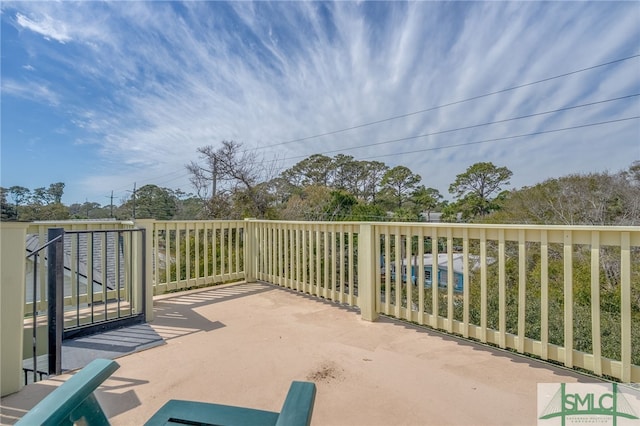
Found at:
<point>12,289</point>
<point>250,250</point>
<point>149,226</point>
<point>366,273</point>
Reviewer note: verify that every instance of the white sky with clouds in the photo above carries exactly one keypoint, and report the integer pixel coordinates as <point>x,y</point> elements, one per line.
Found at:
<point>102,95</point>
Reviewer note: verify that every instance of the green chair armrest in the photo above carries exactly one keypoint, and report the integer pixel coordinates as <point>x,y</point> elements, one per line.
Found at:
<point>74,399</point>
<point>298,406</point>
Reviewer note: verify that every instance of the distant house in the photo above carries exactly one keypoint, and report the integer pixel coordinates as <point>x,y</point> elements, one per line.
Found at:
<point>433,217</point>
<point>442,277</point>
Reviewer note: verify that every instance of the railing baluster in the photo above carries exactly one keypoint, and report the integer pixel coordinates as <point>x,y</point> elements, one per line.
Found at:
<point>522,290</point>
<point>341,267</point>
<point>387,271</point>
<point>311,259</point>
<point>177,234</point>
<point>544,294</point>
<point>263,248</point>
<point>625,309</point>
<point>351,266</point>
<point>206,245</point>
<point>318,260</point>
<point>305,263</point>
<point>42,306</point>
<point>408,280</point>
<point>74,284</point>
<point>299,230</point>
<point>466,282</point>
<point>398,271</point>
<point>501,290</point>
<point>104,273</point>
<point>449,280</point>
<point>238,240</point>
<point>90,275</point>
<point>187,260</point>
<point>274,254</point>
<point>130,289</point>
<point>335,256</point>
<point>35,317</point>
<point>196,276</point>
<point>167,257</point>
<point>293,256</point>
<point>596,342</point>
<point>435,279</point>
<point>229,251</point>
<point>117,265</point>
<point>420,278</point>
<point>568,299</point>
<point>280,253</point>
<point>327,262</point>
<point>483,285</point>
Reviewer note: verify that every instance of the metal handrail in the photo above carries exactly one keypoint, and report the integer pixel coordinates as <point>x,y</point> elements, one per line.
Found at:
<point>35,311</point>
<point>44,246</point>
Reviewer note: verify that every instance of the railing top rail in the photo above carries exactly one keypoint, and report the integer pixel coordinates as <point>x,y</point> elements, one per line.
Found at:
<point>198,221</point>
<point>312,222</point>
<point>82,222</point>
<point>606,228</point>
<point>44,246</point>
<point>98,231</point>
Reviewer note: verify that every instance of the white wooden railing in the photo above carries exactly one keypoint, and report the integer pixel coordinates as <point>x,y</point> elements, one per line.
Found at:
<point>188,254</point>
<point>564,294</point>
<point>536,290</point>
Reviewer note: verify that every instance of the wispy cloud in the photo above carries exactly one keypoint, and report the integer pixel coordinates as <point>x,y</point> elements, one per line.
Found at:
<point>39,92</point>
<point>45,25</point>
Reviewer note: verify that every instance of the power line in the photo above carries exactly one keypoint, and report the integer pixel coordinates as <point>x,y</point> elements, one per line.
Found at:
<point>124,188</point>
<point>470,127</point>
<point>507,137</point>
<point>358,126</point>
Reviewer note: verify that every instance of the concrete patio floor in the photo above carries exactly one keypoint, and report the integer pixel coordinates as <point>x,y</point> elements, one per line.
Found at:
<point>244,344</point>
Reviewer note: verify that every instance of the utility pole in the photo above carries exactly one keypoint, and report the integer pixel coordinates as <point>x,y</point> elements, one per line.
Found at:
<point>110,205</point>
<point>134,201</point>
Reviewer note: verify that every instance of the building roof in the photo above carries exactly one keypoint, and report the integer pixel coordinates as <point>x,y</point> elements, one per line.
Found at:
<point>79,244</point>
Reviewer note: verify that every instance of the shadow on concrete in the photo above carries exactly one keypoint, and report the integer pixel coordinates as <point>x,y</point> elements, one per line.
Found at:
<point>12,408</point>
<point>514,357</point>
<point>317,299</point>
<point>116,395</point>
<point>170,310</point>
<point>176,316</point>
<point>77,353</point>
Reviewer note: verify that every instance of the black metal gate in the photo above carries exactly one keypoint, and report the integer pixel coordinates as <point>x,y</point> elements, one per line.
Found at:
<point>96,283</point>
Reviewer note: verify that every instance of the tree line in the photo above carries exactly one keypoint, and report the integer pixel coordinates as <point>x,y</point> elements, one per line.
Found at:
<point>235,183</point>
<point>149,201</point>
